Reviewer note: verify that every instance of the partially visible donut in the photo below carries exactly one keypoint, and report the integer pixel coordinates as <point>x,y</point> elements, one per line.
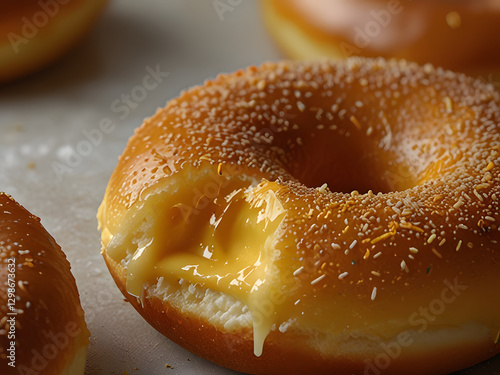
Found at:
<point>453,34</point>
<point>34,34</point>
<point>42,326</point>
<point>241,223</point>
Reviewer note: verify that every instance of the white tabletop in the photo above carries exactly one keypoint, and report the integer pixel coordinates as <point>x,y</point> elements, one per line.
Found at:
<point>63,129</point>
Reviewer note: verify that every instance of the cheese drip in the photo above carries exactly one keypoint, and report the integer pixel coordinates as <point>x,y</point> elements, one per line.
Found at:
<point>225,244</point>
<point>229,244</point>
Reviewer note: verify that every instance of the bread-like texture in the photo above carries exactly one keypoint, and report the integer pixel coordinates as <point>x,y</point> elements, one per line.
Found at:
<point>42,328</point>
<point>217,327</point>
<point>33,34</point>
<point>270,169</point>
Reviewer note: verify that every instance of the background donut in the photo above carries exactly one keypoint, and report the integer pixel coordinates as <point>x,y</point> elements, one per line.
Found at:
<point>33,34</point>
<point>455,35</point>
<point>42,326</point>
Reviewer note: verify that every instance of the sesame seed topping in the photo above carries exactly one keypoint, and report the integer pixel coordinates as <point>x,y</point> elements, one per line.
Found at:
<point>449,104</point>
<point>437,253</point>
<point>355,121</point>
<point>437,198</point>
<point>298,271</point>
<point>489,167</point>
<point>323,188</point>
<point>406,212</point>
<point>374,293</point>
<point>459,203</point>
<point>317,280</point>
<point>411,226</point>
<point>404,267</point>
<point>478,195</point>
<point>343,275</point>
<point>431,238</point>
<point>381,237</point>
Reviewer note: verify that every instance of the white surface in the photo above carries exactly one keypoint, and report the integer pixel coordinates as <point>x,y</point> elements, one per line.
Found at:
<point>43,119</point>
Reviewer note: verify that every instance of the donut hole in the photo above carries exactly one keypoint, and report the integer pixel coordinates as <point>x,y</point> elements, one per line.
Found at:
<point>347,172</point>
<point>348,164</point>
<point>357,147</point>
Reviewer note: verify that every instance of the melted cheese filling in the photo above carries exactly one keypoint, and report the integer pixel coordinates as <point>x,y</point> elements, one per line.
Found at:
<point>224,242</point>
<point>222,234</point>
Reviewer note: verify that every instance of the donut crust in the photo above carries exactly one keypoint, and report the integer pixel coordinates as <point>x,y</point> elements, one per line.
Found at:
<point>347,210</point>
<point>50,335</point>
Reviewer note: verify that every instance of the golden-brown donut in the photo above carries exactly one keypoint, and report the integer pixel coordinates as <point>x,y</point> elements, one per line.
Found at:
<point>42,327</point>
<point>35,33</point>
<point>316,217</point>
<point>456,35</point>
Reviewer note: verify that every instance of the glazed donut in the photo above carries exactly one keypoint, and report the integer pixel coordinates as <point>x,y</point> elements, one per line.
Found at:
<point>316,217</point>
<point>42,326</point>
<point>452,34</point>
<point>33,34</point>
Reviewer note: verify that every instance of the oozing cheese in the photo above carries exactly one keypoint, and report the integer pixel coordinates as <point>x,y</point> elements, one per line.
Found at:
<point>226,238</point>
<point>225,243</point>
